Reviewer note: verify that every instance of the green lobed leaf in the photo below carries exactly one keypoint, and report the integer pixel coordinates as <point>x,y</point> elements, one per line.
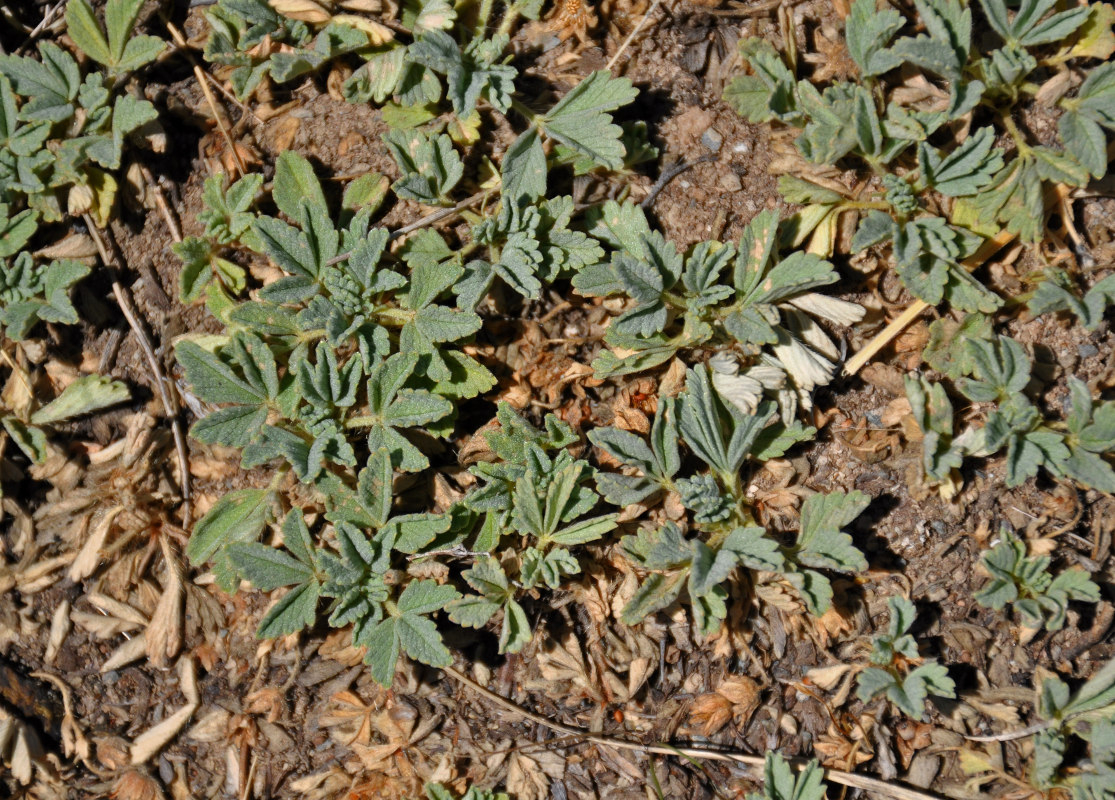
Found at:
<point>867,32</point>
<point>821,541</point>
<point>85,395</point>
<point>267,568</point>
<point>238,516</point>
<point>295,610</point>
<point>580,120</point>
<point>295,182</point>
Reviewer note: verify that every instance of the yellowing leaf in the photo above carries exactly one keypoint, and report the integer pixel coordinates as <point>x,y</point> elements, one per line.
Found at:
<point>304,10</point>
<point>1096,38</point>
<point>377,34</point>
<point>104,188</point>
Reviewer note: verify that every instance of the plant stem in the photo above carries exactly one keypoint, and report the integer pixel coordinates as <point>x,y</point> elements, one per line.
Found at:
<point>483,17</point>
<point>1017,135</point>
<point>510,17</point>
<point>525,110</point>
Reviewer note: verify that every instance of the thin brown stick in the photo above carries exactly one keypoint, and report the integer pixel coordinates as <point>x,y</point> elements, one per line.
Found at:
<point>170,406</point>
<point>837,776</point>
<point>49,18</point>
<point>169,216</point>
<point>748,11</point>
<point>1010,736</point>
<point>631,36</point>
<point>218,111</point>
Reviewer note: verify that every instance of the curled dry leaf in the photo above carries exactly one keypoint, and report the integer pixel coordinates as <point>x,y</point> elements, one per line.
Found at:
<point>89,555</point>
<point>377,34</point>
<point>133,785</point>
<point>154,739</point>
<point>131,650</point>
<point>212,727</point>
<point>59,628</point>
<point>163,636</point>
<point>18,747</point>
<point>303,10</point>
<point>75,246</point>
<point>348,718</point>
<point>736,699</point>
<point>529,776</point>
<point>842,752</point>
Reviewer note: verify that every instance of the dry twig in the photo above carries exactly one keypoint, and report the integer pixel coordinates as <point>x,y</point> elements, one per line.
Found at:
<point>635,32</point>
<point>170,406</point>
<point>218,111</point>
<point>850,779</point>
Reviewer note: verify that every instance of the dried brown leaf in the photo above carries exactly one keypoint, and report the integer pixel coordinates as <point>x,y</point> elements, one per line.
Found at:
<point>154,739</point>
<point>133,785</point>
<point>163,636</point>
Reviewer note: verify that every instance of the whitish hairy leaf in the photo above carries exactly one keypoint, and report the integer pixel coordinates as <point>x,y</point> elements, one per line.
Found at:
<point>580,120</point>
<point>822,542</point>
<point>85,395</point>
<point>237,517</point>
<point>868,31</point>
<point>267,568</point>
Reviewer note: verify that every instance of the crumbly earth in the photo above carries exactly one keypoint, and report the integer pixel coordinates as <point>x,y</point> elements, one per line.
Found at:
<point>300,717</point>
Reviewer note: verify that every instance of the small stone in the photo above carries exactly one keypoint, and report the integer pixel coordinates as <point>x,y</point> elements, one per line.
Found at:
<point>743,148</point>
<point>730,182</point>
<point>712,139</point>
<point>1087,350</point>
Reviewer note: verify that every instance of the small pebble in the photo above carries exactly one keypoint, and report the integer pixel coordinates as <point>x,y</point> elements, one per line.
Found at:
<point>1087,350</point>
<point>730,182</point>
<point>712,139</point>
<point>741,147</point>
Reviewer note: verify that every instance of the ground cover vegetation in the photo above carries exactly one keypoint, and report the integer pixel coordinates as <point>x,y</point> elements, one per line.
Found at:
<point>339,355</point>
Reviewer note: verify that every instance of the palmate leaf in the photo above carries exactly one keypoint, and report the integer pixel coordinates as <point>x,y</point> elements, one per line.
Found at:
<point>239,516</point>
<point>1027,27</point>
<point>50,84</point>
<point>580,120</point>
<point>966,169</point>
<point>770,92</point>
<point>470,74</point>
<point>431,166</point>
<point>944,48</point>
<point>720,436</point>
<point>408,629</point>
<point>1081,125</point>
<point>821,541</point>
<point>121,52</point>
<point>1056,293</point>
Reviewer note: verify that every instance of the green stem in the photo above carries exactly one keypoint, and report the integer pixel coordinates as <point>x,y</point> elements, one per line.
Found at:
<point>525,110</point>
<point>277,478</point>
<point>1017,135</point>
<point>483,17</point>
<point>674,301</point>
<point>510,17</point>
<point>864,205</point>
